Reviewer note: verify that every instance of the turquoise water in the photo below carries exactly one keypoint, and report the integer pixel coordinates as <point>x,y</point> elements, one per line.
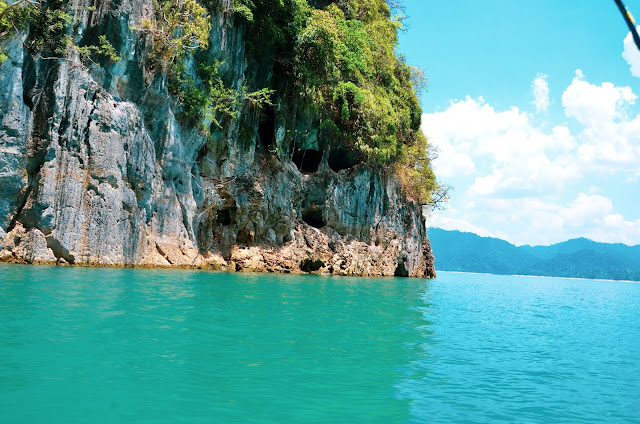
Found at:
<point>135,346</point>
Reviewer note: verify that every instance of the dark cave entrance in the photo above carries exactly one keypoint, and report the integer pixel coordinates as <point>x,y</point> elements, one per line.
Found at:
<point>401,269</point>
<point>226,216</point>
<point>312,215</point>
<point>340,159</point>
<point>311,265</point>
<point>307,160</point>
<point>267,127</point>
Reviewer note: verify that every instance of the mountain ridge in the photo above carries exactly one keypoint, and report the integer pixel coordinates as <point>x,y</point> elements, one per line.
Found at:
<point>575,258</point>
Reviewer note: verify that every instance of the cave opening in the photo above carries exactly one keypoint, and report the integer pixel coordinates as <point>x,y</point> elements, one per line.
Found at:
<point>226,216</point>
<point>340,159</point>
<point>401,269</point>
<point>312,215</point>
<point>311,265</point>
<point>267,127</point>
<point>307,160</point>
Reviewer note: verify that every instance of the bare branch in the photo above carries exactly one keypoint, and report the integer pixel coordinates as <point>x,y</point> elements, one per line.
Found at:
<point>396,6</point>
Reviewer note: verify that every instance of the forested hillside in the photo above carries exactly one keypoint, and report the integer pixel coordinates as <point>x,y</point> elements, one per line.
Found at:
<point>578,258</point>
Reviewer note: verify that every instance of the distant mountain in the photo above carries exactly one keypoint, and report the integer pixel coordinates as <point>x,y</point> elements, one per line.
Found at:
<point>577,258</point>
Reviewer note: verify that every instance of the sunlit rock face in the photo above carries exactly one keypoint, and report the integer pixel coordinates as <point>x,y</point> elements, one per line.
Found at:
<point>97,169</point>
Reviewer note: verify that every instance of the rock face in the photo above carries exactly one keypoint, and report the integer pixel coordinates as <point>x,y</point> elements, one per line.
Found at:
<point>95,169</point>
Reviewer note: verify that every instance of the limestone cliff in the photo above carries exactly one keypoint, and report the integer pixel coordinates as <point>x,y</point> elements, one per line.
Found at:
<point>96,168</point>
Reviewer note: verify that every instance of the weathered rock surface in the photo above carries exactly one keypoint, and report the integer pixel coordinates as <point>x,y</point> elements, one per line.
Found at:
<point>95,169</point>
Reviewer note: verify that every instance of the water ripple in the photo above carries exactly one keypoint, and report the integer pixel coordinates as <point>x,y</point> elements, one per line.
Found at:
<point>112,346</point>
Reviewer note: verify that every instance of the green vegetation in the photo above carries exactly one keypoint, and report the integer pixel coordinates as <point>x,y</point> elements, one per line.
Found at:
<point>342,60</point>
<point>180,27</point>
<point>350,70</point>
<point>49,25</point>
<point>180,34</point>
<point>335,61</point>
<point>103,50</point>
<point>416,176</point>
<point>5,27</point>
<point>207,98</point>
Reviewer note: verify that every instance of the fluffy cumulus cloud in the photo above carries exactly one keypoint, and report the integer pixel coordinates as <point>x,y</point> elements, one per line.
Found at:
<point>596,105</point>
<point>586,209</point>
<point>617,230</point>
<point>593,216</point>
<point>610,135</point>
<point>517,155</point>
<point>540,89</point>
<point>631,54</point>
<point>514,176</point>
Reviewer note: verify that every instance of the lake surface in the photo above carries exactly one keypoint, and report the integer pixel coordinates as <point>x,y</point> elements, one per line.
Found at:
<point>98,346</point>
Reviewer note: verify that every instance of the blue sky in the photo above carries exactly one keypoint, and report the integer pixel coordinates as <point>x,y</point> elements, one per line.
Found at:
<point>533,106</point>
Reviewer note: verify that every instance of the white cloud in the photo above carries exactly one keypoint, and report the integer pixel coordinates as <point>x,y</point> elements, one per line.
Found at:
<point>448,223</point>
<point>507,152</point>
<point>513,176</point>
<point>517,155</point>
<point>540,89</point>
<point>594,217</point>
<point>631,54</point>
<point>618,230</point>
<point>609,136</point>
<point>450,162</point>
<point>595,106</point>
<point>538,221</point>
<point>586,210</point>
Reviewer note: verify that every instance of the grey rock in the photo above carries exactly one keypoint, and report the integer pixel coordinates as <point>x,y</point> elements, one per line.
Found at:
<point>14,130</point>
<point>96,169</point>
<point>32,247</point>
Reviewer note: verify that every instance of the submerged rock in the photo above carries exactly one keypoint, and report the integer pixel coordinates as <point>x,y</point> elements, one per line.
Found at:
<point>96,169</point>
